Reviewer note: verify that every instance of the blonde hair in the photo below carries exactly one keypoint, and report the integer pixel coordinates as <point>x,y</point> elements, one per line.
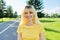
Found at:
<point>35,19</point>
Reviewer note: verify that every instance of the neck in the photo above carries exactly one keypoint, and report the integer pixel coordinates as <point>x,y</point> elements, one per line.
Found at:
<point>29,23</point>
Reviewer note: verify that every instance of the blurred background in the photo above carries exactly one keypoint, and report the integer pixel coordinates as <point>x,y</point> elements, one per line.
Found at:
<point>48,12</point>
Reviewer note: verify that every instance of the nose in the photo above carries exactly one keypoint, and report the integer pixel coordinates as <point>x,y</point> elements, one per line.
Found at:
<point>28,14</point>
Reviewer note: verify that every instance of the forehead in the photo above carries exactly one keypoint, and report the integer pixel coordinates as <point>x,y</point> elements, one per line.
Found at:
<point>28,9</point>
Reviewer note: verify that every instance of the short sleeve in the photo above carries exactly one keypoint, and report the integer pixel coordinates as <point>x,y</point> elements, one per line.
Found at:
<point>41,28</point>
<point>19,29</point>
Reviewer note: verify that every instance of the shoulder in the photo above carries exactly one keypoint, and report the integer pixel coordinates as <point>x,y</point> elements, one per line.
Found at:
<point>40,25</point>
<point>41,28</point>
<point>20,26</point>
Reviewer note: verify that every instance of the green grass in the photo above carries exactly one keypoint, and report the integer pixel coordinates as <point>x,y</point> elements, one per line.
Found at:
<point>52,28</point>
<point>5,19</point>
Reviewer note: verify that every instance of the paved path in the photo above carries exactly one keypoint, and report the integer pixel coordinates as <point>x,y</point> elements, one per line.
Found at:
<point>8,30</point>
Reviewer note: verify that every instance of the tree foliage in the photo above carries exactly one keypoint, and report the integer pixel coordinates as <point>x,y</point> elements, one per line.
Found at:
<point>15,15</point>
<point>2,7</point>
<point>38,5</point>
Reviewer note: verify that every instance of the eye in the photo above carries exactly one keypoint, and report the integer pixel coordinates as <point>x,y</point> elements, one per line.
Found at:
<point>30,12</point>
<point>25,13</point>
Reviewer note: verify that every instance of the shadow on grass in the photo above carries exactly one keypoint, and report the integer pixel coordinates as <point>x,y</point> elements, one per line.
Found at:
<point>52,30</point>
<point>2,21</point>
<point>46,21</point>
<point>48,39</point>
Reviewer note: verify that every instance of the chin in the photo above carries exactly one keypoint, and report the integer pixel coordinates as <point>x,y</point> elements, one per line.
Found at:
<point>29,19</point>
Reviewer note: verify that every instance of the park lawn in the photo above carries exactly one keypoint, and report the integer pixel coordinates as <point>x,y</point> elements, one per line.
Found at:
<point>52,28</point>
<point>6,19</point>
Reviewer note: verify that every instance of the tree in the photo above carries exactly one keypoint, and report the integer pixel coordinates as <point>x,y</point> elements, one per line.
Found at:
<point>40,15</point>
<point>9,12</point>
<point>47,15</point>
<point>15,14</point>
<point>38,5</point>
<point>58,16</point>
<point>55,15</point>
<point>2,6</point>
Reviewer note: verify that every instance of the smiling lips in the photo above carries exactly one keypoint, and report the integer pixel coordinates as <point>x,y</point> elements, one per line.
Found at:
<point>28,17</point>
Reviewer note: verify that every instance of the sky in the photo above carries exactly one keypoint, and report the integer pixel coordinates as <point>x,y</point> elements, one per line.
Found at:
<point>52,6</point>
<point>17,5</point>
<point>49,5</point>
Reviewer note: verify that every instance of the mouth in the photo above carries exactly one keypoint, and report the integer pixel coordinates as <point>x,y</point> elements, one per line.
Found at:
<point>28,17</point>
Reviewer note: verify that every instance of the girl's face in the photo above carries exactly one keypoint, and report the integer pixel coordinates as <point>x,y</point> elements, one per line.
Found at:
<point>28,14</point>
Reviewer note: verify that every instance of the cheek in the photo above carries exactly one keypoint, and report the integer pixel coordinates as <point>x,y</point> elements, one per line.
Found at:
<point>32,15</point>
<point>25,15</point>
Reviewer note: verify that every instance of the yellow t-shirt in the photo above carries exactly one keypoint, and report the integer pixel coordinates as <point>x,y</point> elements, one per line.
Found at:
<point>30,32</point>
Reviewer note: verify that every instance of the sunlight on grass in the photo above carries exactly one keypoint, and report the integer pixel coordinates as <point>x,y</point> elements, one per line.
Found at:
<point>52,35</point>
<point>6,19</point>
<point>52,28</point>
